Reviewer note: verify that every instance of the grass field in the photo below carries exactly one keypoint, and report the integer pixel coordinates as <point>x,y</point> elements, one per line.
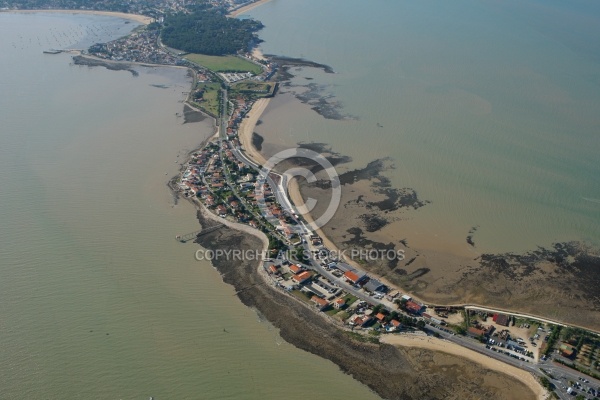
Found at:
<point>252,86</point>
<point>210,98</point>
<point>224,63</point>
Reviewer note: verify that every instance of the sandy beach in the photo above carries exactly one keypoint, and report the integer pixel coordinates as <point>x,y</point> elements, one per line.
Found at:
<point>142,19</point>
<point>247,8</point>
<point>430,343</point>
<point>247,128</point>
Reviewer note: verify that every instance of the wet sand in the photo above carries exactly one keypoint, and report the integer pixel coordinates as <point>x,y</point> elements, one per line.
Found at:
<point>247,128</point>
<point>557,283</point>
<point>430,343</point>
<point>247,8</point>
<point>390,371</point>
<point>142,19</point>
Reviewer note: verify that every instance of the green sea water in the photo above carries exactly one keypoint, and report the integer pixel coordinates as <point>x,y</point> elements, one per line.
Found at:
<point>490,110</point>
<point>97,299</point>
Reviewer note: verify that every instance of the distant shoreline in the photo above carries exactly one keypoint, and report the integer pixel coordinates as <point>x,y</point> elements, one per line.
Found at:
<point>142,19</point>
<point>247,8</point>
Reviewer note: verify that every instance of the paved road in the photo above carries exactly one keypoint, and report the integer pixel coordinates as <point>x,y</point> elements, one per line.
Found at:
<point>562,375</point>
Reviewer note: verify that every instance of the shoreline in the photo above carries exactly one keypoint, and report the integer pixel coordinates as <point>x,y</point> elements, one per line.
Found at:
<point>431,343</point>
<point>142,19</point>
<point>246,130</point>
<point>312,341</point>
<point>247,8</point>
<point>391,372</point>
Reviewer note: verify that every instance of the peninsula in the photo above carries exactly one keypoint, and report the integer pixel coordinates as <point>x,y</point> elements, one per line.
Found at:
<point>341,310</point>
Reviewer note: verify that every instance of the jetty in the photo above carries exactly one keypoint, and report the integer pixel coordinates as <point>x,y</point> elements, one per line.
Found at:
<point>193,235</point>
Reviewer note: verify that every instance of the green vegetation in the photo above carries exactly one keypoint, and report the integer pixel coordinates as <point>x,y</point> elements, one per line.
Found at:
<point>546,383</point>
<point>304,296</point>
<point>332,311</point>
<point>362,338</point>
<point>208,32</point>
<point>253,87</point>
<point>349,299</point>
<point>207,97</point>
<point>552,339</point>
<point>224,63</point>
<point>342,315</point>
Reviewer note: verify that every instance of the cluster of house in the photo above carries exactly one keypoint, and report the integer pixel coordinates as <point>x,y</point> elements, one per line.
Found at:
<point>205,178</point>
<point>325,296</point>
<point>140,47</point>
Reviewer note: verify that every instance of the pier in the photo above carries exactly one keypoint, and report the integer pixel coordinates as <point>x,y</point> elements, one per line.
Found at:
<point>193,235</point>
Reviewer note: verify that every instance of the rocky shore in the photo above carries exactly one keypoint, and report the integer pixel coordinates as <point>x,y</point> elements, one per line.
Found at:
<point>392,372</point>
<point>113,66</point>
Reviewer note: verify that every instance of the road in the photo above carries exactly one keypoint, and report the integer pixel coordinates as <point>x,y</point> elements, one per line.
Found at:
<point>560,375</point>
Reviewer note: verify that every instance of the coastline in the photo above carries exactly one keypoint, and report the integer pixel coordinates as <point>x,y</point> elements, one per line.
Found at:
<point>247,8</point>
<point>276,306</point>
<point>391,372</point>
<point>142,19</point>
<point>431,343</point>
<point>247,128</point>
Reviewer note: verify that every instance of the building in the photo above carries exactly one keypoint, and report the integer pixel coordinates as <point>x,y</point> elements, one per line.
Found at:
<point>566,350</point>
<point>373,285</point>
<point>360,321</point>
<point>501,319</point>
<point>274,269</point>
<point>302,277</point>
<point>355,277</point>
<point>413,307</point>
<point>320,303</point>
<point>475,332</point>
<point>339,303</point>
<point>295,269</point>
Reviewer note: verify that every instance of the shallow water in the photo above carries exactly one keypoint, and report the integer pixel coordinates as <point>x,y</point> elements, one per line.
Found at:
<point>97,299</point>
<point>489,110</point>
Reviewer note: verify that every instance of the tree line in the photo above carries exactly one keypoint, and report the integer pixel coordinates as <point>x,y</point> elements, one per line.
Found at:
<point>208,31</point>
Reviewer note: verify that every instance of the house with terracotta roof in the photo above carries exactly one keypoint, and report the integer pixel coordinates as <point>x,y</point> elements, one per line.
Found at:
<point>302,277</point>
<point>361,321</point>
<point>475,332</point>
<point>413,307</point>
<point>396,324</point>
<point>355,277</point>
<point>274,269</point>
<point>221,210</point>
<point>339,303</point>
<point>566,350</point>
<point>320,303</point>
<point>296,269</point>
<point>380,317</point>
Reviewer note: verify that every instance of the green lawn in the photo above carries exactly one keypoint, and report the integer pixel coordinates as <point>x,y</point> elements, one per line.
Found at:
<point>349,299</point>
<point>252,86</point>
<point>224,63</point>
<point>210,98</point>
<point>301,295</point>
<point>332,311</point>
